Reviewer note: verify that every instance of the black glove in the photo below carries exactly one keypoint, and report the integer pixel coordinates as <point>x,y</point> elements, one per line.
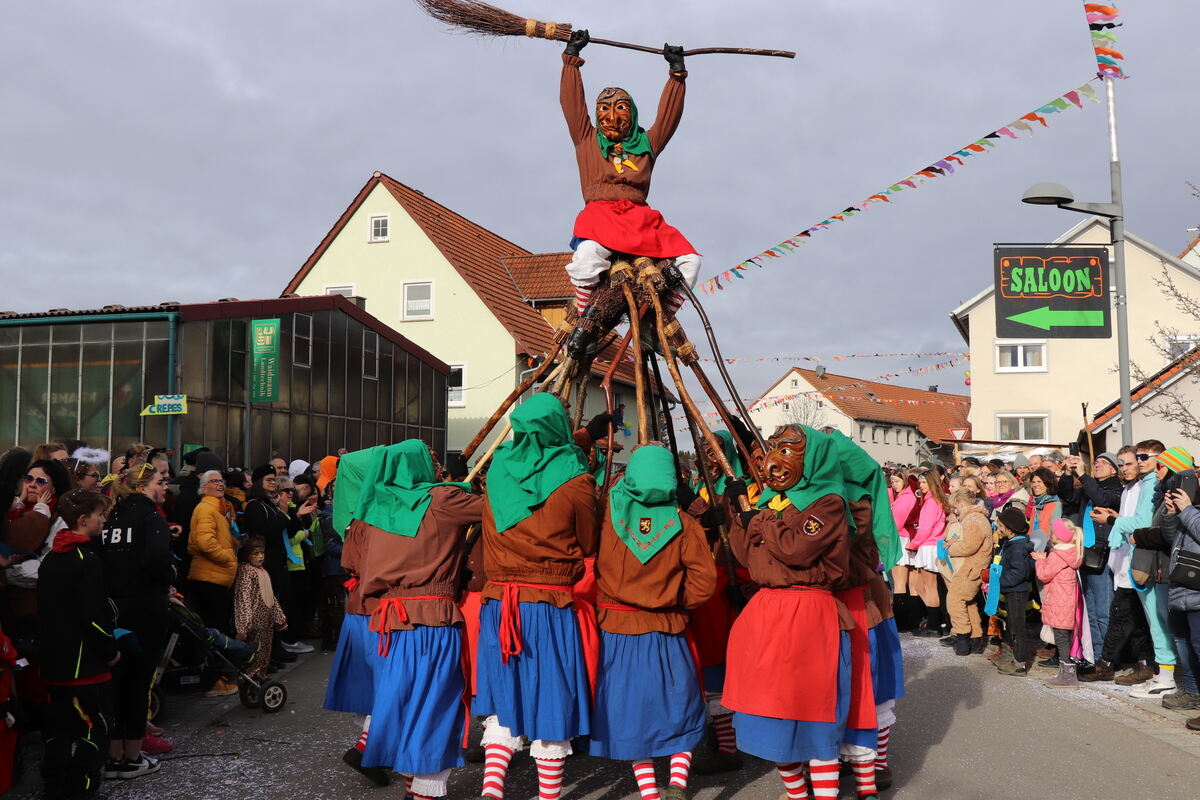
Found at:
<point>597,427</point>
<point>456,467</point>
<point>579,40</point>
<point>713,518</point>
<point>733,489</point>
<point>684,495</point>
<point>745,516</point>
<point>674,56</point>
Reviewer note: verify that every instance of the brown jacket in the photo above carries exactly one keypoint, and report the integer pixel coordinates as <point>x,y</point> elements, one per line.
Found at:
<point>547,547</point>
<point>598,178</point>
<point>425,565</point>
<point>354,559</point>
<point>974,546</point>
<point>864,552</point>
<point>680,576</point>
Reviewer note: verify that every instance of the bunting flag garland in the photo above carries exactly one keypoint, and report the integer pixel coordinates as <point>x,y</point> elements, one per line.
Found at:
<point>746,360</point>
<point>1101,22</point>
<point>918,370</point>
<point>938,169</point>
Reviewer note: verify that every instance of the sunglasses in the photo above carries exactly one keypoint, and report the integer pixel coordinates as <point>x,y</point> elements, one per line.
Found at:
<point>38,481</point>
<point>289,491</point>
<point>1144,456</point>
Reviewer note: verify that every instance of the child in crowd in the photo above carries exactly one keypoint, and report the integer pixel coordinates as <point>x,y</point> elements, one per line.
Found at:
<point>1016,569</point>
<point>256,614</point>
<point>1058,570</point>
<point>77,648</point>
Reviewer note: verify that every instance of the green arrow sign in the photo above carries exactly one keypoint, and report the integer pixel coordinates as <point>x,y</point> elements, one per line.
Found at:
<point>1047,318</point>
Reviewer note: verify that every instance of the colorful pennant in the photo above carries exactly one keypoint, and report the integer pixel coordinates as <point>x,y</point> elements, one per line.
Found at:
<point>1101,22</point>
<point>919,370</point>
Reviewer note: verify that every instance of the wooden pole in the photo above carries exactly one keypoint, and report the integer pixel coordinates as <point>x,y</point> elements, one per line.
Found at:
<point>711,391</point>
<point>502,435</point>
<point>635,330</point>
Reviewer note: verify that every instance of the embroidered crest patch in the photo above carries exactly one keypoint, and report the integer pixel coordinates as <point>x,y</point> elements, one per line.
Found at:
<point>645,525</point>
<point>813,525</point>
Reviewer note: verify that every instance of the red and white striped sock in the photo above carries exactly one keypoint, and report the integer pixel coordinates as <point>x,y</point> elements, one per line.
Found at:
<point>681,768</point>
<point>550,777</point>
<point>864,777</point>
<point>408,792</point>
<point>726,739</point>
<point>495,769</point>
<point>361,744</point>
<point>673,303</point>
<point>643,773</point>
<point>881,748</point>
<point>583,294</point>
<point>793,780</point>
<point>419,796</point>
<point>824,777</point>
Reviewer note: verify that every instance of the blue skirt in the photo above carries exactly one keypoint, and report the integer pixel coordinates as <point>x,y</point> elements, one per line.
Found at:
<point>786,741</point>
<point>648,697</point>
<point>542,692</point>
<point>417,717</point>
<point>887,662</point>
<point>351,685</point>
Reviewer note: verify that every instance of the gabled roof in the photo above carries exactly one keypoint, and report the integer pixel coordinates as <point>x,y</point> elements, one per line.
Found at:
<point>933,413</point>
<point>541,276</point>
<point>959,315</point>
<point>1172,372</point>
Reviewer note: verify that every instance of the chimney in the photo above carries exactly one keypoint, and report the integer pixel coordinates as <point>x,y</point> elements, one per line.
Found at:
<point>820,372</point>
<point>933,388</point>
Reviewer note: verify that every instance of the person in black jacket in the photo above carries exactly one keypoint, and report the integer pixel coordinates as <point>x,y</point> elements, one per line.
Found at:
<point>1016,572</point>
<point>138,574</point>
<point>75,621</point>
<point>1101,489</point>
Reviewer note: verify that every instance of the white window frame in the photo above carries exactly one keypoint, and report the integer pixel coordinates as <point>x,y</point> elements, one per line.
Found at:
<point>1183,341</point>
<point>344,289</point>
<point>404,315</point>
<point>795,383</point>
<point>370,356</point>
<point>297,339</point>
<point>1043,415</point>
<point>387,224</point>
<point>1021,343</point>
<point>462,401</point>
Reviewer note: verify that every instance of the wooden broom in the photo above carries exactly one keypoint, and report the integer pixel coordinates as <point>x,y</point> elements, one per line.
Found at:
<point>482,19</point>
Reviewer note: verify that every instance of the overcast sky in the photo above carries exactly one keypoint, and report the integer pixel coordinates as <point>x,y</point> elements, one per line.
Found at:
<point>187,151</point>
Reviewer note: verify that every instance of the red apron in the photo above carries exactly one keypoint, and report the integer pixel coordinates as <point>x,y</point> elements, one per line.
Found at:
<point>626,227</point>
<point>783,656</point>
<point>862,687</point>
<point>712,621</point>
<point>470,607</point>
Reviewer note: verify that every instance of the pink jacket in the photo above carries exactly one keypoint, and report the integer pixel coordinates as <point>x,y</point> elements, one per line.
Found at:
<point>902,508</point>
<point>931,526</point>
<point>1057,571</point>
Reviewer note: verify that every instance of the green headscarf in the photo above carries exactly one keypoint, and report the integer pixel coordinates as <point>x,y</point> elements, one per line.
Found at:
<point>396,496</point>
<point>635,143</point>
<point>642,505</point>
<point>822,474</point>
<point>541,457</point>
<point>351,480</point>
<point>733,455</point>
<point>863,477</point>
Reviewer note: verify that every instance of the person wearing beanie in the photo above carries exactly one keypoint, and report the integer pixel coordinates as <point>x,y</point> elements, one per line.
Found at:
<point>202,461</point>
<point>1021,467</point>
<point>1016,570</point>
<point>1057,569</point>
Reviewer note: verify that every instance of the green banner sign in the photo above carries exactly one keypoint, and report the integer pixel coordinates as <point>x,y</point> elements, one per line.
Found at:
<point>264,360</point>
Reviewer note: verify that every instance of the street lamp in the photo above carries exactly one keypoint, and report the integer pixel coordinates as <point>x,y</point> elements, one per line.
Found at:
<point>1053,194</point>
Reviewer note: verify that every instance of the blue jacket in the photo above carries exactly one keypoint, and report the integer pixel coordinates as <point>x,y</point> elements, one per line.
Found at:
<point>1016,564</point>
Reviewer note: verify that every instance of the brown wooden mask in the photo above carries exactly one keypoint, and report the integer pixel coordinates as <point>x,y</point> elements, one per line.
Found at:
<point>614,113</point>
<point>783,465</point>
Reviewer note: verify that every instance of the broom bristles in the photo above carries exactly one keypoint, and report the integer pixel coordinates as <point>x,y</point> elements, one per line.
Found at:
<point>482,19</point>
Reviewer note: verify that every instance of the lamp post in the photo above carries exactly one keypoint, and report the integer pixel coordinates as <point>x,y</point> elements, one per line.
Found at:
<point>1053,194</point>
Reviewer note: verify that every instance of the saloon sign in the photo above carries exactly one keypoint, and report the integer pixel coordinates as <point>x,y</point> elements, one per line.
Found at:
<point>1052,293</point>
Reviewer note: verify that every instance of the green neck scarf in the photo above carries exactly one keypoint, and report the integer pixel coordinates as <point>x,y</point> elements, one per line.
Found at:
<point>351,481</point>
<point>635,143</point>
<point>396,495</point>
<point>822,474</point>
<point>541,457</point>
<point>863,478</point>
<point>730,449</point>
<point>642,505</point>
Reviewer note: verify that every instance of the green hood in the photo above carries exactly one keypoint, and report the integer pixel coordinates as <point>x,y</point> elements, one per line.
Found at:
<point>351,480</point>
<point>642,505</point>
<point>541,457</point>
<point>733,455</point>
<point>635,143</point>
<point>822,474</point>
<point>863,477</point>
<point>396,495</point>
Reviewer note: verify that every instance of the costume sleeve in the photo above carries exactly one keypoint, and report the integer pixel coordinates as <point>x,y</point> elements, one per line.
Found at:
<point>278,618</point>
<point>98,623</point>
<point>670,112</point>
<point>790,541</point>
<point>244,593</point>
<point>460,507</point>
<point>739,539</point>
<point>352,548</point>
<point>700,570</point>
<point>587,515</point>
<point>970,541</point>
<point>570,95</point>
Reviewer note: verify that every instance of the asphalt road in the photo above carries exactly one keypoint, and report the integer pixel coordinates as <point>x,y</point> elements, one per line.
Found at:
<point>963,732</point>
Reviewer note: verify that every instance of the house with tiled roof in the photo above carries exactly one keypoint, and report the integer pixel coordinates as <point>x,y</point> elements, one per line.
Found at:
<point>479,302</point>
<point>1153,402</point>
<point>893,423</point>
<point>1030,389</point>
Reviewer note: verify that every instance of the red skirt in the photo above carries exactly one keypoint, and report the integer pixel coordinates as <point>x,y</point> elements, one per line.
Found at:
<point>626,227</point>
<point>862,687</point>
<point>783,656</point>
<point>470,607</point>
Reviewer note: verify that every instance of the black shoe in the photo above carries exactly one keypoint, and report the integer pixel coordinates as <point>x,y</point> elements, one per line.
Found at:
<point>978,644</point>
<point>929,633</point>
<point>1052,661</point>
<point>948,641</point>
<point>963,646</point>
<point>283,656</point>
<point>376,775</point>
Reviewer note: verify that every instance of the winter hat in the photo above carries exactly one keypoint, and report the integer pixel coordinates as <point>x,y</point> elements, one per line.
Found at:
<point>1109,457</point>
<point>1021,460</point>
<point>1061,531</point>
<point>208,460</point>
<point>297,468</point>
<point>1176,459</point>
<point>261,472</point>
<point>1014,519</point>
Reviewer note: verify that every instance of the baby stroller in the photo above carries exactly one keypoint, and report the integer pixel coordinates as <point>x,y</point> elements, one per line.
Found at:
<point>196,656</point>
